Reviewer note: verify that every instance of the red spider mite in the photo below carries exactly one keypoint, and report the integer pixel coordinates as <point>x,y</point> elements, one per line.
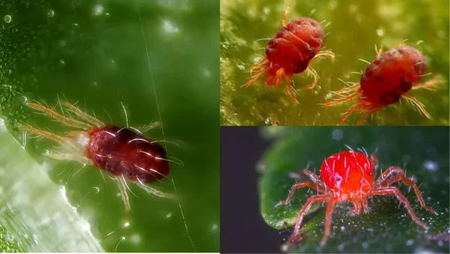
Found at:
<point>289,52</point>
<point>349,176</point>
<point>385,81</point>
<point>123,152</point>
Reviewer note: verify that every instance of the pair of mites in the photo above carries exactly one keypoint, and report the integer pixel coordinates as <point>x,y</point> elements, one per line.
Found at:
<point>385,81</point>
<point>125,153</point>
<point>350,177</point>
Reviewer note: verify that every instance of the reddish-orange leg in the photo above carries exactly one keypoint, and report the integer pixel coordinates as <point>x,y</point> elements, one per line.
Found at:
<point>387,178</point>
<point>295,187</point>
<point>315,179</point>
<point>305,208</point>
<point>401,198</point>
<point>328,216</point>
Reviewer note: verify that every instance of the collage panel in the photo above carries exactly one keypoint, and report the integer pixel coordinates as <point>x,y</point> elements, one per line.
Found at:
<point>374,62</point>
<point>225,126</point>
<point>109,126</point>
<point>373,189</point>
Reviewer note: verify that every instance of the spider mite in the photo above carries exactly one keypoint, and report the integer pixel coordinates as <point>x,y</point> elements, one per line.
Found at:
<point>289,52</point>
<point>385,81</point>
<point>123,152</point>
<point>349,176</point>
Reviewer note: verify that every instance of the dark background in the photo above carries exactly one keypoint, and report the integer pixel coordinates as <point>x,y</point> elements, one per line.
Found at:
<point>242,227</point>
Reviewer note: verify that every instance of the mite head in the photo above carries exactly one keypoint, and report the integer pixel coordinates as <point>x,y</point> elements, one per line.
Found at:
<point>348,172</point>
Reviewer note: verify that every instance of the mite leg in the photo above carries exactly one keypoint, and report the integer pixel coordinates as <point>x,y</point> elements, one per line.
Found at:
<point>60,118</point>
<point>362,119</point>
<point>312,73</point>
<point>305,208</point>
<point>51,136</point>
<point>255,77</point>
<point>81,114</point>
<point>290,89</point>
<point>153,191</point>
<point>401,198</point>
<point>295,187</point>
<point>365,205</point>
<point>429,84</point>
<point>419,105</point>
<point>328,214</point>
<point>315,179</point>
<point>285,17</point>
<point>378,51</point>
<point>344,95</point>
<point>327,53</point>
<point>123,188</point>
<point>348,113</point>
<point>401,177</point>
<point>259,65</point>
<point>362,105</point>
<point>149,127</point>
<point>70,157</point>
<point>356,207</point>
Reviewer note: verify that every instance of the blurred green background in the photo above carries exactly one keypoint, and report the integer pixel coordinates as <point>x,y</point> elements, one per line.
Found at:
<point>158,58</point>
<point>387,227</point>
<point>353,28</point>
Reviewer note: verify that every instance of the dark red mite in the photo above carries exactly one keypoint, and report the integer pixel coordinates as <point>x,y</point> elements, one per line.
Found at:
<point>123,152</point>
<point>385,81</point>
<point>290,52</point>
<point>350,176</point>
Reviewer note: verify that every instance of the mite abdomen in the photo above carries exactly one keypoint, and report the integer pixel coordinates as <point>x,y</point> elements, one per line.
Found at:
<point>123,151</point>
<point>391,75</point>
<point>295,45</point>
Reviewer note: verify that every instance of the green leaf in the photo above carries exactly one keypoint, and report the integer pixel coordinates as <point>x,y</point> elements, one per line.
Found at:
<point>158,58</point>
<point>353,28</point>
<point>35,214</point>
<point>387,227</point>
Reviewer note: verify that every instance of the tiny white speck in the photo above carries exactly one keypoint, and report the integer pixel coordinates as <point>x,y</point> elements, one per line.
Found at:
<point>135,238</point>
<point>380,32</point>
<point>169,27</point>
<point>206,73</point>
<point>337,134</point>
<point>7,19</point>
<point>51,13</point>
<point>430,165</point>
<point>98,10</point>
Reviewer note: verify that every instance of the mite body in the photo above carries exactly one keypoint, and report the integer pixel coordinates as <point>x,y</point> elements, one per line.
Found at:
<point>290,52</point>
<point>350,176</point>
<point>385,81</point>
<point>123,152</point>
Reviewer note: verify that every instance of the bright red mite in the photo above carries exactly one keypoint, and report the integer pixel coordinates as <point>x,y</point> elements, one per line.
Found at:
<point>349,176</point>
<point>289,52</point>
<point>385,81</point>
<point>123,152</point>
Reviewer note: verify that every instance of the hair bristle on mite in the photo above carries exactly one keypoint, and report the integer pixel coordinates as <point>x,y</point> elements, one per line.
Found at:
<point>289,52</point>
<point>385,81</point>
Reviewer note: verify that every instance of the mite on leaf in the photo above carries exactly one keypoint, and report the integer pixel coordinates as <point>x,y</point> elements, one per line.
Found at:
<point>123,152</point>
<point>385,81</point>
<point>349,176</point>
<point>290,51</point>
